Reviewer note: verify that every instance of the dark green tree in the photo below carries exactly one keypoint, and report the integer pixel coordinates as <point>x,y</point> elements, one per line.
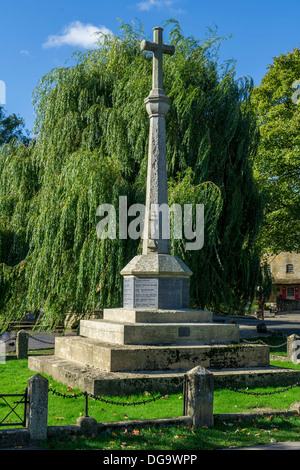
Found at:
<point>91,147</point>
<point>12,126</point>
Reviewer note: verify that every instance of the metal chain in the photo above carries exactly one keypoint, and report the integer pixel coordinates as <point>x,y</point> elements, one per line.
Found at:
<point>7,340</point>
<point>30,336</point>
<point>261,342</point>
<point>41,340</point>
<point>263,393</point>
<point>109,402</point>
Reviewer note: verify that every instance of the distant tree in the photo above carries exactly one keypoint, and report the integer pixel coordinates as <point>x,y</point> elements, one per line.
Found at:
<point>92,144</point>
<point>12,126</point>
<point>277,164</point>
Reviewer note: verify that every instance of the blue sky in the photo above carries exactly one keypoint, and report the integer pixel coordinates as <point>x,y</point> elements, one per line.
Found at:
<point>37,36</point>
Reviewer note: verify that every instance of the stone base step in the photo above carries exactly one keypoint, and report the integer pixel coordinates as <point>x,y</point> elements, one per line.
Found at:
<point>96,382</point>
<point>147,315</point>
<point>159,333</point>
<point>113,358</point>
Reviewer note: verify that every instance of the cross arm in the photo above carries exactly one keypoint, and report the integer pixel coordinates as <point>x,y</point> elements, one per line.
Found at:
<point>152,46</point>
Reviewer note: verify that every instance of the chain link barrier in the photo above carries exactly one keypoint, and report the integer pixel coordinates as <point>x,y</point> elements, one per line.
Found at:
<point>41,340</point>
<point>9,339</point>
<point>111,402</point>
<point>29,336</point>
<point>263,393</point>
<point>259,341</point>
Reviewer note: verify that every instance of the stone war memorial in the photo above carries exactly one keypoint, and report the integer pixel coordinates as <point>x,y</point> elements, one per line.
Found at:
<point>150,342</point>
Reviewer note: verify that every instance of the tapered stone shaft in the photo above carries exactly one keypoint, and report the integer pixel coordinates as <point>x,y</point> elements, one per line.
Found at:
<point>157,224</point>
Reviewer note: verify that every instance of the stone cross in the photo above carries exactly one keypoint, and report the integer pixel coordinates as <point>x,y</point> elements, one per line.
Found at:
<point>156,237</point>
<point>158,48</point>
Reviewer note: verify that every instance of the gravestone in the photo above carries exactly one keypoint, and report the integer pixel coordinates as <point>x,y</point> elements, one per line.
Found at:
<point>149,342</point>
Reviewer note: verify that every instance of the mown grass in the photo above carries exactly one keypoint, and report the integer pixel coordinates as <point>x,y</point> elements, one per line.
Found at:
<point>223,435</point>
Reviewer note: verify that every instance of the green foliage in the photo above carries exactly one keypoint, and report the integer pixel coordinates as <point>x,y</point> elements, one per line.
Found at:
<point>277,165</point>
<point>11,127</point>
<point>91,146</point>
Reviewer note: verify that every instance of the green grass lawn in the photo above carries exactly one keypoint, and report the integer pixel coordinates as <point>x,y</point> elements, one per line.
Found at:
<point>14,375</point>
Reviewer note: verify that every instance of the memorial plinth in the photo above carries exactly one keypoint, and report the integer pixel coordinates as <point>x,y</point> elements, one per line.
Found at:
<point>156,281</point>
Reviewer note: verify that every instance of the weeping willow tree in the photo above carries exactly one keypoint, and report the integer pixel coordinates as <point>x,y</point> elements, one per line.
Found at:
<point>91,147</point>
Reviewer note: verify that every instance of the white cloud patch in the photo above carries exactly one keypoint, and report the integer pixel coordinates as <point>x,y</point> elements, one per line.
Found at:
<point>77,34</point>
<point>149,4</point>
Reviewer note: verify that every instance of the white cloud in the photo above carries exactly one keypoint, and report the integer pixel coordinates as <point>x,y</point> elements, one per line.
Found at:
<point>77,34</point>
<point>148,4</point>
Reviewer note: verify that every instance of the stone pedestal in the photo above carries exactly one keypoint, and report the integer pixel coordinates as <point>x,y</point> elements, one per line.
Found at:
<point>156,281</point>
<point>135,350</point>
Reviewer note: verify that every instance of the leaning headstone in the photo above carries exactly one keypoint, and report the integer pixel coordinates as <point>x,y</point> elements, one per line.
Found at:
<point>293,349</point>
<point>22,344</point>
<point>37,417</point>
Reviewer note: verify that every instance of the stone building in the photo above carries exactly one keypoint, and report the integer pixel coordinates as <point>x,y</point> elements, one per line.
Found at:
<point>285,270</point>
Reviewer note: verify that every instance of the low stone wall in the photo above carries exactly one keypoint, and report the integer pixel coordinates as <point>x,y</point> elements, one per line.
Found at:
<point>10,438</point>
<point>14,438</point>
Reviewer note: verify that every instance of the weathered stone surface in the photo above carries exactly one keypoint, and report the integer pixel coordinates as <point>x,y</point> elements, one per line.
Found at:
<point>38,407</point>
<point>293,349</point>
<point>156,292</point>
<point>22,344</point>
<point>199,392</point>
<point>88,425</point>
<point>114,358</point>
<point>138,315</point>
<point>103,383</point>
<point>157,105</point>
<point>159,333</point>
<point>14,438</point>
<point>156,265</point>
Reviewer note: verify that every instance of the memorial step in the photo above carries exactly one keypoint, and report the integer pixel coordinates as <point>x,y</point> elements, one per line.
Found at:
<point>138,315</point>
<point>159,333</point>
<point>113,358</point>
<point>92,380</point>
